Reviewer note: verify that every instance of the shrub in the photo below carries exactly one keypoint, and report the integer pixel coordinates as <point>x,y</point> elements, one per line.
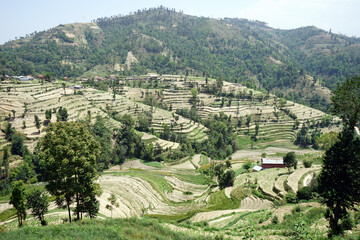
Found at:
<point>247,165</point>
<point>296,209</point>
<point>308,163</point>
<point>275,220</point>
<point>347,222</point>
<point>304,193</point>
<point>290,198</point>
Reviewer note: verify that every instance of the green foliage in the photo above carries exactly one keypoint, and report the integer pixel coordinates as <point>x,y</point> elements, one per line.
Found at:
<point>290,198</point>
<point>9,131</point>
<point>340,178</point>
<point>48,114</point>
<point>219,201</point>
<point>17,144</point>
<point>68,155</point>
<point>247,165</point>
<point>304,193</point>
<point>37,122</point>
<point>62,114</point>
<point>346,101</point>
<point>275,220</point>
<point>113,203</point>
<point>307,163</point>
<point>290,160</point>
<point>37,201</point>
<point>130,228</point>
<point>18,200</point>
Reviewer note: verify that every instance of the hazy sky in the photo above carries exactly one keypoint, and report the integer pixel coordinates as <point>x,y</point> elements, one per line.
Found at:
<point>20,17</point>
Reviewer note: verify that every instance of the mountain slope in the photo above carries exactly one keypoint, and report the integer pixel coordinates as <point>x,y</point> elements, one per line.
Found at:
<point>164,41</point>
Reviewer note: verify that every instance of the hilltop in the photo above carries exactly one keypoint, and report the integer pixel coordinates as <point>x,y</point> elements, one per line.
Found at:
<point>296,64</point>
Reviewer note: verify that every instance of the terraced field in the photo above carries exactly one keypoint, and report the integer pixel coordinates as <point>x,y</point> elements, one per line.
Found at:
<point>38,98</point>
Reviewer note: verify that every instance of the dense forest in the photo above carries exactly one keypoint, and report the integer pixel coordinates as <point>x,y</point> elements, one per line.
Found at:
<point>165,41</point>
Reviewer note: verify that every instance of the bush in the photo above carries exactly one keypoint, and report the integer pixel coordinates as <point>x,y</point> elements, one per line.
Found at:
<point>304,193</point>
<point>347,222</point>
<point>308,163</point>
<point>290,198</point>
<point>247,165</point>
<point>275,220</point>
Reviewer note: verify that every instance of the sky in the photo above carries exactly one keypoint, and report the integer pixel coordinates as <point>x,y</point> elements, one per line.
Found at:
<point>21,17</point>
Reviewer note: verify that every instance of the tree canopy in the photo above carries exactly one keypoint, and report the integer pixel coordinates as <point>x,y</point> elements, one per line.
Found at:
<point>68,155</point>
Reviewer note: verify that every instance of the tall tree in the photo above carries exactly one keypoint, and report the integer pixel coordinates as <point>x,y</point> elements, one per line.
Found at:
<point>38,202</point>
<point>339,180</point>
<point>346,101</point>
<point>18,200</point>
<point>68,154</point>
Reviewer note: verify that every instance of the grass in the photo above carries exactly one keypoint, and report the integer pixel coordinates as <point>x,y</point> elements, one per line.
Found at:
<point>7,214</point>
<point>203,160</point>
<point>132,228</point>
<point>152,164</point>
<point>219,201</point>
<point>192,178</point>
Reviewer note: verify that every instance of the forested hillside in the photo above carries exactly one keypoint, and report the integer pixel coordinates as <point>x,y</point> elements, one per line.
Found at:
<point>294,63</point>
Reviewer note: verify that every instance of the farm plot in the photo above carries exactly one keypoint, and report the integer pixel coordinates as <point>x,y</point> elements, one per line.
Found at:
<point>294,178</point>
<point>265,180</point>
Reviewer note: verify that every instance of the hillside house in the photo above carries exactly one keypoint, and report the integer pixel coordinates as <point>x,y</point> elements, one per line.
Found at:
<point>272,163</point>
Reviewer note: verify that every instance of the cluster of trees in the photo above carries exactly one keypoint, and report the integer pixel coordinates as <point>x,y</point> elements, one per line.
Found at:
<point>36,200</point>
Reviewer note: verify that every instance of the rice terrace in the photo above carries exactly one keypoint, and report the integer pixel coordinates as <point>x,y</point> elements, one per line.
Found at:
<point>162,125</point>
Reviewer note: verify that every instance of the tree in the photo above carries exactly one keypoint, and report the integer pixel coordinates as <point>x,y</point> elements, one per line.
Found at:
<point>68,153</point>
<point>346,101</point>
<point>256,129</point>
<point>37,122</point>
<point>9,131</point>
<point>64,87</point>
<point>339,179</point>
<point>13,111</point>
<point>113,203</point>
<point>227,179</point>
<point>18,199</point>
<point>248,121</point>
<point>194,94</point>
<point>38,202</point>
<point>62,115</point>
<point>5,162</point>
<point>48,114</point>
<point>17,144</point>
<point>290,160</point>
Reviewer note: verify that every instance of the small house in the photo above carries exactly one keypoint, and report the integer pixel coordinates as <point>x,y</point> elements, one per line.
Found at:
<point>272,163</point>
